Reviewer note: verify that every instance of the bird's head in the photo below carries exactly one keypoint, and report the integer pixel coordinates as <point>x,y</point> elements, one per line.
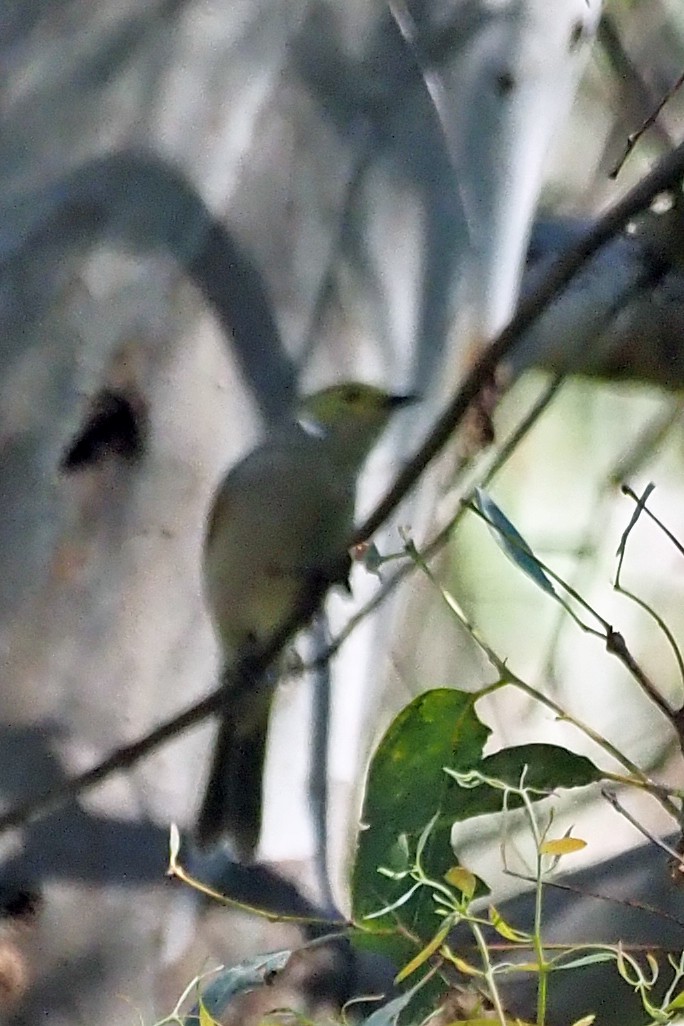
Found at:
<point>351,417</point>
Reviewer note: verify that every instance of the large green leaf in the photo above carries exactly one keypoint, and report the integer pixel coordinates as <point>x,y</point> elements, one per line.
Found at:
<point>406,787</point>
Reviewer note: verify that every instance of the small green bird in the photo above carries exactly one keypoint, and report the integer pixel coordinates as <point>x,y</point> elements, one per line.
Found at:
<point>280,520</point>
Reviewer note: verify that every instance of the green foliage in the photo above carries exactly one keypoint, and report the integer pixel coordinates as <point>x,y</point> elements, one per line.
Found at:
<point>406,788</point>
<point>409,890</point>
<point>429,772</point>
<point>418,777</point>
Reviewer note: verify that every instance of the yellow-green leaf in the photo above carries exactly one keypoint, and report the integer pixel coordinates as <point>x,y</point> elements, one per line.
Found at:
<point>676,1003</point>
<point>205,1019</point>
<point>460,963</point>
<point>462,879</point>
<point>423,955</point>
<point>562,846</point>
<point>504,929</point>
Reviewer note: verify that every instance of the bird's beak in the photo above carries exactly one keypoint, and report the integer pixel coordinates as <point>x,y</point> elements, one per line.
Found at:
<point>395,402</point>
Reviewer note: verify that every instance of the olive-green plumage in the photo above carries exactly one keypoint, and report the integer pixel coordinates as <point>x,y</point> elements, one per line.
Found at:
<point>280,520</point>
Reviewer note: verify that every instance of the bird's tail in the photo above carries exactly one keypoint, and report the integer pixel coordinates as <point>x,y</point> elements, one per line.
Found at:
<point>231,808</point>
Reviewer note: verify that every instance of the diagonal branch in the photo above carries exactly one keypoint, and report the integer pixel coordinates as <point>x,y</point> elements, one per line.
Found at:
<point>667,173</point>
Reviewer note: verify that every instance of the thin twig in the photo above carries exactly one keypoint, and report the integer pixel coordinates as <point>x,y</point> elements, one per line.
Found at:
<point>641,94</point>
<point>613,800</point>
<point>439,540</point>
<point>581,892</point>
<point>126,755</point>
<point>626,490</point>
<point>617,646</point>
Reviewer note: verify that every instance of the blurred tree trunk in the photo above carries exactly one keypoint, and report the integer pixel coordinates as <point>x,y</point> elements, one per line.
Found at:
<point>388,229</point>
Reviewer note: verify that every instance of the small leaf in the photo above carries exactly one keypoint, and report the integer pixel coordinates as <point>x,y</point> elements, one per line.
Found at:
<point>463,967</point>
<point>677,1002</point>
<point>423,955</point>
<point>586,1020</point>
<point>245,976</point>
<point>389,1013</point>
<point>174,847</point>
<point>596,958</point>
<point>462,879</point>
<point>562,846</point>
<point>401,900</point>
<point>204,1018</point>
<point>504,929</point>
<point>400,855</point>
<point>512,543</point>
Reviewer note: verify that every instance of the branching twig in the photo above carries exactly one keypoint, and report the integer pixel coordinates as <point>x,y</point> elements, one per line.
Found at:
<point>641,96</point>
<point>581,892</point>
<point>617,646</point>
<point>613,800</point>
<point>626,490</point>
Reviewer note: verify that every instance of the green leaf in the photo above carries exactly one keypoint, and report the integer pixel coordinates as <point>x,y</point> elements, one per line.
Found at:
<point>406,787</point>
<point>427,952</point>
<point>408,790</point>
<point>549,767</point>
<point>512,543</point>
<point>583,960</point>
<point>676,1003</point>
<point>223,987</point>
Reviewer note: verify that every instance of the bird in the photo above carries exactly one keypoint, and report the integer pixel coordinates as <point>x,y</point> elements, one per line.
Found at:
<point>279,524</point>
